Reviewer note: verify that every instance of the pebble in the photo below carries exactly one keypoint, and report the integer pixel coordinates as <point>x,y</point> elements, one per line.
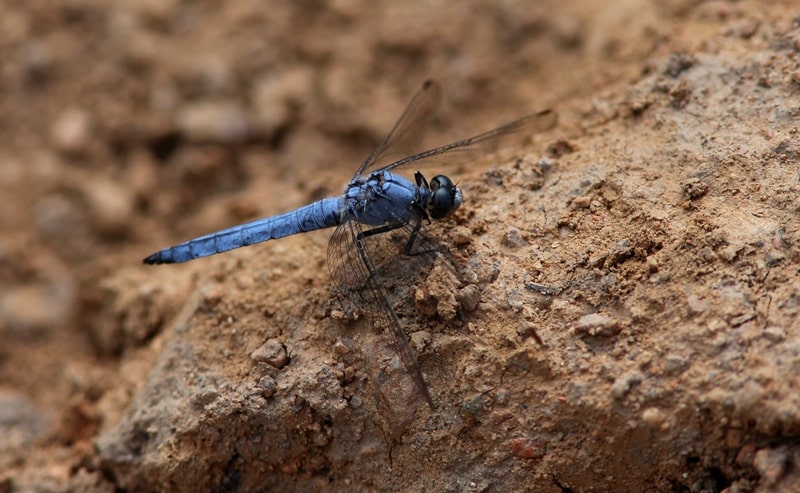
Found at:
<point>20,421</point>
<point>515,300</point>
<point>674,364</point>
<point>582,202</point>
<point>730,252</point>
<point>71,131</point>
<point>695,189</point>
<point>473,487</point>
<point>774,334</point>
<point>745,29</point>
<point>771,464</point>
<point>623,385</point>
<point>653,416</point>
<point>36,307</point>
<point>619,252</point>
<point>749,397</point>
<point>58,218</point>
<point>274,95</point>
<point>37,58</point>
<point>526,329</point>
<point>268,386</point>
<point>420,339</point>
<point>598,324</point>
<point>215,121</point>
<point>795,77</point>
<point>527,448</point>
<point>461,236</point>
<point>513,239</point>
<point>469,297</point>
<point>501,395</point>
<point>677,63</point>
<point>271,352</point>
<point>746,454</point>
<point>773,259</point>
<point>696,304</point>
<point>112,205</point>
<point>342,346</point>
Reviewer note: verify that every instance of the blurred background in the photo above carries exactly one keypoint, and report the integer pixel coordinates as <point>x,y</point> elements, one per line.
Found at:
<point>128,125</point>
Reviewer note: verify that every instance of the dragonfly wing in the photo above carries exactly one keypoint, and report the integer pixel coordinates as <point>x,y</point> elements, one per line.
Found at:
<point>478,147</point>
<point>355,275</point>
<point>407,133</point>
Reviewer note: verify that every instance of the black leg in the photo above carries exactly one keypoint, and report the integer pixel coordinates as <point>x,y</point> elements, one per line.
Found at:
<point>379,230</point>
<point>385,229</point>
<point>391,227</point>
<point>365,234</point>
<point>388,322</point>
<point>411,240</point>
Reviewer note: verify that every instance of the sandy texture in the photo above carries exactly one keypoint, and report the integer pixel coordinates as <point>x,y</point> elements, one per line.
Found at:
<point>618,309</point>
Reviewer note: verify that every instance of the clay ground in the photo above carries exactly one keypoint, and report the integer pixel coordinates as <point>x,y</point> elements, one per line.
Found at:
<point>661,212</point>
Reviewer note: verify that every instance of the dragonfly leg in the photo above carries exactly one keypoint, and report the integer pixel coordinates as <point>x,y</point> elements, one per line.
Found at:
<point>385,229</point>
<point>410,245</point>
<point>379,230</point>
<point>411,239</point>
<point>365,234</point>
<point>400,343</point>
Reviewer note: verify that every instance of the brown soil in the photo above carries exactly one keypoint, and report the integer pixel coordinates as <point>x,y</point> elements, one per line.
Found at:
<point>662,212</point>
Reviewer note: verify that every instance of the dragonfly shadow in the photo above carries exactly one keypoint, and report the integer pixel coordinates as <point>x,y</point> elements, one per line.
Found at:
<point>397,279</point>
<point>401,275</point>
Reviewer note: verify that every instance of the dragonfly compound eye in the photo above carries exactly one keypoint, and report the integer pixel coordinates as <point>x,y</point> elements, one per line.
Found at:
<point>445,197</point>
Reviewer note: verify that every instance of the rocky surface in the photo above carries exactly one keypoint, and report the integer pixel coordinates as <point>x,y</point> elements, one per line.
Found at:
<point>619,309</point>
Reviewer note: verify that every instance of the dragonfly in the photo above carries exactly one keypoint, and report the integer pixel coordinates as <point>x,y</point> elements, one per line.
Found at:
<point>377,200</point>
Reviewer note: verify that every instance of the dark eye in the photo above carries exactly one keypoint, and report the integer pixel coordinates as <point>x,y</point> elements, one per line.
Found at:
<point>445,197</point>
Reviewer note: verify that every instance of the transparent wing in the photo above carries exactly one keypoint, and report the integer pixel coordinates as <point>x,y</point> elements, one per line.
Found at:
<point>406,135</point>
<point>476,148</point>
<point>356,276</point>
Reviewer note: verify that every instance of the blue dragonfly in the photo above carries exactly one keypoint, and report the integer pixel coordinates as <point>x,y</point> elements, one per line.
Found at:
<point>376,201</point>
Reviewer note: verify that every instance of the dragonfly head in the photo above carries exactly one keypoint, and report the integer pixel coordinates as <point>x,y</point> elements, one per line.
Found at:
<point>445,197</point>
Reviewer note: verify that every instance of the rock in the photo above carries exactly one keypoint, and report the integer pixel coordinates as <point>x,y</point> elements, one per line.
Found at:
<point>598,324</point>
<point>112,205</point>
<point>268,385</point>
<point>771,464</point>
<point>774,334</point>
<point>275,94</point>
<point>623,385</point>
<point>36,307</point>
<point>619,252</point>
<point>696,304</point>
<point>213,121</point>
<point>527,448</point>
<point>461,236</point>
<point>653,417</point>
<point>420,339</point>
<point>71,131</point>
<point>271,352</point>
<point>513,239</point>
<point>343,346</point>
<point>469,297</point>
<point>20,421</point>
